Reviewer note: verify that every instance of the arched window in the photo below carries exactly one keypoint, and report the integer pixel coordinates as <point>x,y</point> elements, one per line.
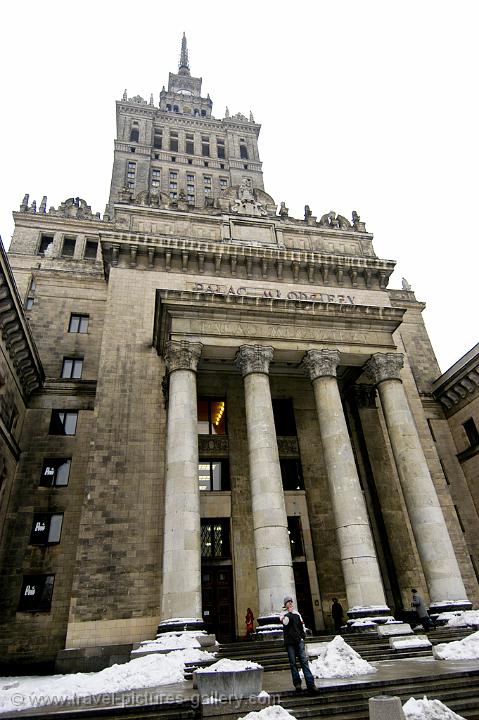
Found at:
<point>134,132</point>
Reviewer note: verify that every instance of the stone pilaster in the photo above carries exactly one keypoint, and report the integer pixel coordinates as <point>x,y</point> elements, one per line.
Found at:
<point>434,545</point>
<point>358,556</point>
<point>271,539</point>
<point>181,591</point>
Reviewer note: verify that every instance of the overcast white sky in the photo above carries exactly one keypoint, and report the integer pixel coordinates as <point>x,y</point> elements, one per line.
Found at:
<point>364,104</point>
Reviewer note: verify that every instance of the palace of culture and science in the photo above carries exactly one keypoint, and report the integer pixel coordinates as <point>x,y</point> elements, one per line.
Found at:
<point>207,404</point>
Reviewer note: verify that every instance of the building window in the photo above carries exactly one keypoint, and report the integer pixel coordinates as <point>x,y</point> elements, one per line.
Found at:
<point>78,323</point>
<point>211,416</point>
<point>130,174</point>
<point>471,432</point>
<point>55,472</point>
<point>295,537</point>
<point>72,368</point>
<point>46,528</point>
<point>29,303</point>
<point>284,421</point>
<point>158,139</point>
<point>205,146</point>
<point>63,422</point>
<point>291,474</point>
<point>214,474</point>
<point>243,150</point>
<point>36,593</point>
<point>223,183</point>
<point>207,184</point>
<point>45,242</point>
<point>173,184</point>
<point>68,249</point>
<point>155,177</point>
<point>215,539</point>
<point>221,148</point>
<point>190,188</point>
<point>134,132</point>
<point>91,249</point>
<point>174,141</point>
<point>190,144</point>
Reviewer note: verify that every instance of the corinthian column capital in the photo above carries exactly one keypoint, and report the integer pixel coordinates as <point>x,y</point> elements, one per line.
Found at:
<point>182,355</point>
<point>254,359</point>
<point>321,363</point>
<point>384,366</point>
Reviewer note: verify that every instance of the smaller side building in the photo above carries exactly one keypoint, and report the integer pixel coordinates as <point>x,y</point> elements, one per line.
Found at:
<point>458,391</point>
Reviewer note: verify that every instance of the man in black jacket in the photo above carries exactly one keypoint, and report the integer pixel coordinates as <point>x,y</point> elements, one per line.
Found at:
<point>294,634</point>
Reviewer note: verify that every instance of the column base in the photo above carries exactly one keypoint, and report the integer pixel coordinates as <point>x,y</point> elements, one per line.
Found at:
<point>180,625</point>
<point>370,611</point>
<point>439,607</point>
<point>269,628</point>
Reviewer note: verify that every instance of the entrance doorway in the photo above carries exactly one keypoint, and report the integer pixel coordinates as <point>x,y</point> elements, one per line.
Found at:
<point>218,601</point>
<point>303,594</point>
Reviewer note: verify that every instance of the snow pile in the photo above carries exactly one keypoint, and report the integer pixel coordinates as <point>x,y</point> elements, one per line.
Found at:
<point>19,693</point>
<point>460,618</point>
<point>338,659</point>
<point>227,665</point>
<point>171,641</point>
<point>428,710</point>
<point>273,712</point>
<point>466,649</point>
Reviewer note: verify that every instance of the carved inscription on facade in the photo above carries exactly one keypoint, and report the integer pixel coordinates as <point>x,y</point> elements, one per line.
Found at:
<point>322,297</point>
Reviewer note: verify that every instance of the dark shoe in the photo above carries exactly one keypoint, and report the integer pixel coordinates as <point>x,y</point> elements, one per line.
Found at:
<point>312,689</point>
<point>297,688</point>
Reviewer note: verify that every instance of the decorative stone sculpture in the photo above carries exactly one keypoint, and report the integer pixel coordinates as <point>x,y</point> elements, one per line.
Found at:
<point>405,285</point>
<point>384,366</point>
<point>283,211</point>
<point>307,212</point>
<point>254,359</point>
<point>246,203</point>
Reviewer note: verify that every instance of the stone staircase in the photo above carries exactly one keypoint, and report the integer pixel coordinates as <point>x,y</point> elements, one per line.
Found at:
<point>272,656</point>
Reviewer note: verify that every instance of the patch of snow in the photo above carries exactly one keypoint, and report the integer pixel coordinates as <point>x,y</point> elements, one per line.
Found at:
<point>466,649</point>
<point>460,618</point>
<point>227,665</point>
<point>449,602</point>
<point>180,621</point>
<point>273,712</point>
<point>370,609</point>
<point>428,710</point>
<point>360,622</point>
<point>20,693</point>
<point>401,643</point>
<point>338,659</point>
<point>170,641</point>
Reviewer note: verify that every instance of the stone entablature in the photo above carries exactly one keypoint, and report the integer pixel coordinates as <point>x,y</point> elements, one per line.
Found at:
<point>16,333</point>
<point>460,384</point>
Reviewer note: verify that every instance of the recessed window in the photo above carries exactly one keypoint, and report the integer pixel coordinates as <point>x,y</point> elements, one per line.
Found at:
<point>130,174</point>
<point>55,472</point>
<point>215,539</point>
<point>91,249</point>
<point>158,139</point>
<point>174,141</point>
<point>29,303</point>
<point>63,422</point>
<point>207,184</point>
<point>68,248</point>
<point>72,368</point>
<point>211,416</point>
<point>134,132</point>
<point>284,421</point>
<point>45,243</point>
<point>205,146</point>
<point>220,144</point>
<point>213,475</point>
<point>190,144</point>
<point>155,177</point>
<point>46,528</point>
<point>291,474</point>
<point>223,183</point>
<point>36,593</point>
<point>78,323</point>
<point>471,432</point>
<point>295,536</point>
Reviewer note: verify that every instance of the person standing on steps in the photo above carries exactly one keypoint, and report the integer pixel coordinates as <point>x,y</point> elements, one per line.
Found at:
<point>249,623</point>
<point>294,635</point>
<point>418,604</point>
<point>337,613</point>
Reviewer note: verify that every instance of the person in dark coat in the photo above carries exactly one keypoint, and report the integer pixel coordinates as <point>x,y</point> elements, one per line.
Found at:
<point>294,635</point>
<point>419,606</point>
<point>249,623</point>
<point>337,613</point>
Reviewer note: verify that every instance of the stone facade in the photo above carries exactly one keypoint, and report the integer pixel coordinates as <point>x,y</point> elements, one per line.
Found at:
<point>209,304</point>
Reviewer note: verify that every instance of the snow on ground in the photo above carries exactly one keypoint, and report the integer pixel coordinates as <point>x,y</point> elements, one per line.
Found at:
<point>428,710</point>
<point>171,641</point>
<point>20,693</point>
<point>466,649</point>
<point>227,665</point>
<point>460,618</point>
<point>338,659</point>
<point>273,712</point>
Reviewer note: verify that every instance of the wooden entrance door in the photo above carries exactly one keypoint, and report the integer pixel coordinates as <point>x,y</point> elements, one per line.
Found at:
<point>218,601</point>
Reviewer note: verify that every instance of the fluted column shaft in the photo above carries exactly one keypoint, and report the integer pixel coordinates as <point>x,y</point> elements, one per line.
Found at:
<point>181,592</point>
<point>358,555</point>
<point>434,545</point>
<point>271,539</point>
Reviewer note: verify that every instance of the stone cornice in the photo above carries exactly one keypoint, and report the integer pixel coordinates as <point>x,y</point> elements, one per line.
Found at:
<point>46,222</point>
<point>460,384</point>
<point>16,333</point>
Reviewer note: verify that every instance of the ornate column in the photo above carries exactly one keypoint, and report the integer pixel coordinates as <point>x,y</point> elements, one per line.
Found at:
<point>434,545</point>
<point>271,539</point>
<point>181,592</point>
<point>358,556</point>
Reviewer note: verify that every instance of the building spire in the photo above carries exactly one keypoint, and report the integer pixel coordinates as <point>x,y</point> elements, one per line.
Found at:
<point>184,66</point>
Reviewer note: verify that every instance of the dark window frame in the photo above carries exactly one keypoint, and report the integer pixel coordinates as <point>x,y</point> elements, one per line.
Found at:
<point>50,474</point>
<point>211,400</point>
<point>219,537</point>
<point>81,319</point>
<point>225,481</point>
<point>87,252</point>
<point>58,424</point>
<point>72,374</point>
<point>42,535</point>
<point>40,600</point>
